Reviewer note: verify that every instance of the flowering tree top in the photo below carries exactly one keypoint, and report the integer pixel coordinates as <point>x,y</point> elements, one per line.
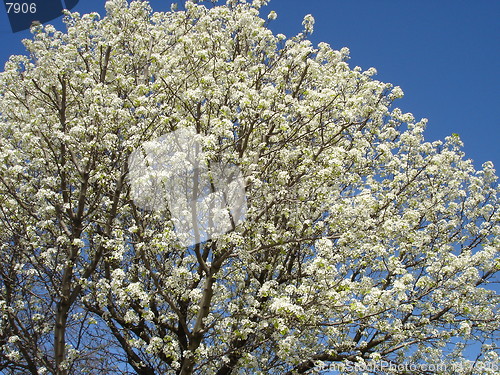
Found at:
<point>185,192</point>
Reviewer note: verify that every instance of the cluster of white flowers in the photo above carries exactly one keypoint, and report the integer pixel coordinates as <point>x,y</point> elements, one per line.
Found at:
<point>360,240</point>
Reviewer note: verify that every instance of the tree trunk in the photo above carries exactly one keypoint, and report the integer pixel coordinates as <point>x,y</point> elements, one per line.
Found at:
<point>60,336</point>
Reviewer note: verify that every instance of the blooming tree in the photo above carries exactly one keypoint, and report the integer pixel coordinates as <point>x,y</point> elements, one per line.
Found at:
<point>360,242</point>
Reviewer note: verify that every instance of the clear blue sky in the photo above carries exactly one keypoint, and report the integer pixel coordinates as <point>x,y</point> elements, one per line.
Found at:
<point>444,54</point>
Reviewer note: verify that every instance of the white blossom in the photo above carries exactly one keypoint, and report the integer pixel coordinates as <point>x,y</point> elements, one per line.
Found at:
<point>342,234</point>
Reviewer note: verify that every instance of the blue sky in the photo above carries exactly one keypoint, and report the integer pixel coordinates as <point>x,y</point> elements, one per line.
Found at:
<point>444,54</point>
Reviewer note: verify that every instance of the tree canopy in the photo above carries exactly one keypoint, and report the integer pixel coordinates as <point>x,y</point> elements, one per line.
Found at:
<point>358,242</point>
